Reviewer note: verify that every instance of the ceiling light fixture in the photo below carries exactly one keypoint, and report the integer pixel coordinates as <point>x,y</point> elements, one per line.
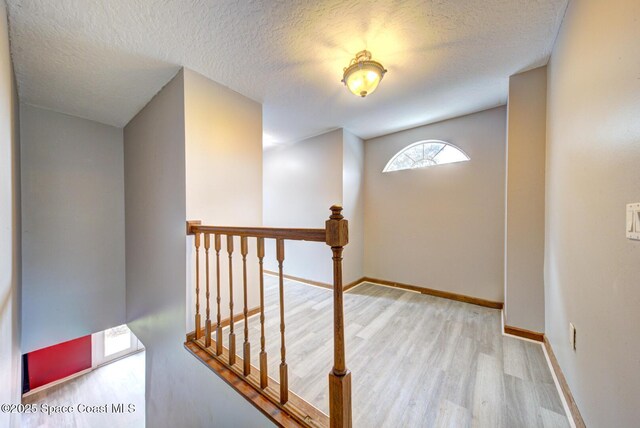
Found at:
<point>363,75</point>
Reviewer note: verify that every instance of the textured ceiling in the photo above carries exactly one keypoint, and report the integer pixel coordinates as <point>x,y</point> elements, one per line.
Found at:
<point>104,60</point>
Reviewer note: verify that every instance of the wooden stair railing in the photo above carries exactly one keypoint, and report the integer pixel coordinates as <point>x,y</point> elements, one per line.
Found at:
<point>224,360</point>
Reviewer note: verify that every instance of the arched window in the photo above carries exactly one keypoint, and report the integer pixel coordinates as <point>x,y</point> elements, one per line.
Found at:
<point>425,153</point>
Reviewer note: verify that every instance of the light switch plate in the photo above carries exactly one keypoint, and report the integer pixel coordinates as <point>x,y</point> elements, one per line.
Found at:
<point>633,221</point>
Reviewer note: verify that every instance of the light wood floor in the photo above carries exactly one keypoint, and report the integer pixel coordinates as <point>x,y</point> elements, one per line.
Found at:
<point>416,360</point>
<point>119,382</point>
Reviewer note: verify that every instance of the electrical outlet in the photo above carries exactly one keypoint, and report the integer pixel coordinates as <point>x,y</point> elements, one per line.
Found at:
<point>572,336</point>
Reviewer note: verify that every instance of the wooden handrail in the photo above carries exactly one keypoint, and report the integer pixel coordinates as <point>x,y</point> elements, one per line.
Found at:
<point>316,235</point>
<point>335,235</point>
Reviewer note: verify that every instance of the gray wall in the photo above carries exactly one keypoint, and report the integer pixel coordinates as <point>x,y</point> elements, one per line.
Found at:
<point>592,272</point>
<point>223,160</point>
<point>524,240</point>
<point>440,227</point>
<point>73,227</point>
<point>180,391</point>
<point>10,361</point>
<point>301,182</point>
<point>353,203</point>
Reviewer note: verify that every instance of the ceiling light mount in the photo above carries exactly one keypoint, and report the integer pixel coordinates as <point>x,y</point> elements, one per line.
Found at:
<point>363,75</point>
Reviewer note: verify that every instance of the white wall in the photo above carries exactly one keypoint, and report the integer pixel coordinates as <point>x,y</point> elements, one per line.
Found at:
<point>592,274</point>
<point>524,240</point>
<point>223,149</point>
<point>10,361</point>
<point>180,391</point>
<point>440,227</point>
<point>301,182</point>
<point>72,227</point>
<point>223,153</point>
<point>353,204</point>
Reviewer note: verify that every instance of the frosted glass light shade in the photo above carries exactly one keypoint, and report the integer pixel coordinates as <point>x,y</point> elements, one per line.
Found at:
<point>363,76</point>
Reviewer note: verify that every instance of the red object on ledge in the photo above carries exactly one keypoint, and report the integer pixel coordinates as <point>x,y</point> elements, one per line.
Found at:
<point>56,362</point>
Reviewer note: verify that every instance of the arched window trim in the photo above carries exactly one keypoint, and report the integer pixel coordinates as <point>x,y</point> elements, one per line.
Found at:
<point>410,146</point>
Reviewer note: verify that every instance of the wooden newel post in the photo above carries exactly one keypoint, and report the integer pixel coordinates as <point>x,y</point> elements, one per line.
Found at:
<point>337,229</point>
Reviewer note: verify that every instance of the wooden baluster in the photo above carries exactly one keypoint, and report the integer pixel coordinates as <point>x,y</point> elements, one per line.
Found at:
<point>207,326</point>
<point>232,334</point>
<point>264,378</point>
<point>337,230</point>
<point>284,377</point>
<point>197,320</point>
<point>246,348</point>
<point>217,246</point>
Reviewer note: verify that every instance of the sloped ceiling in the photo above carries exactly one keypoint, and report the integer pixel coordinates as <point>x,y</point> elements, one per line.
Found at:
<point>104,60</point>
